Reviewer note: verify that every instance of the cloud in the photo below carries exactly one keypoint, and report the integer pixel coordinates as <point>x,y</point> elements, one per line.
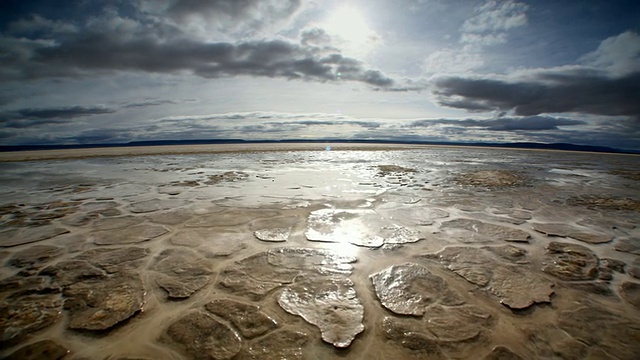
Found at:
<point>16,57</point>
<point>453,60</point>
<point>100,136</point>
<point>496,17</point>
<point>114,43</point>
<point>233,8</point>
<point>258,115</point>
<point>31,123</point>
<point>606,83</point>
<point>307,123</point>
<point>228,15</point>
<point>152,102</point>
<point>36,117</point>
<point>156,37</point>
<point>32,117</point>
<point>315,36</point>
<point>242,125</point>
<point>62,113</point>
<point>488,26</point>
<point>263,125</point>
<point>529,123</point>
<point>544,91</point>
<point>280,125</point>
<point>618,55</point>
<point>274,125</point>
<point>36,24</point>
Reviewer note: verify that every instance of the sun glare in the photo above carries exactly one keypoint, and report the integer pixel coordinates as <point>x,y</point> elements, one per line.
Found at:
<point>348,24</point>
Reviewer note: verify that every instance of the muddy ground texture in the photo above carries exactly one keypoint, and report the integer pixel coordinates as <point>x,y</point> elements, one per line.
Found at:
<point>486,263</point>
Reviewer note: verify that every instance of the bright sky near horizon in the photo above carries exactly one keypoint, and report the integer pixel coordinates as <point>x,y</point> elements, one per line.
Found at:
<point>433,70</point>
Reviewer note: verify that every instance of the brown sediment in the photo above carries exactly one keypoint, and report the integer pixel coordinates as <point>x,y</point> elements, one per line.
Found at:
<point>628,174</point>
<point>492,178</point>
<point>278,258</point>
<point>605,202</point>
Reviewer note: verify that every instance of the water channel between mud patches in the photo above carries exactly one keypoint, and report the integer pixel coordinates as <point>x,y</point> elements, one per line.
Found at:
<point>431,253</point>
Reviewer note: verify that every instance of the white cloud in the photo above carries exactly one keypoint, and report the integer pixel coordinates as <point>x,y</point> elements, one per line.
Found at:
<point>223,19</point>
<point>619,55</point>
<point>495,16</point>
<point>487,27</point>
<point>453,60</point>
<point>482,40</point>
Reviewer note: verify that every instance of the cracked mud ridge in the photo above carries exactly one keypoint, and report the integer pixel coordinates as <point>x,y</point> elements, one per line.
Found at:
<point>437,253</point>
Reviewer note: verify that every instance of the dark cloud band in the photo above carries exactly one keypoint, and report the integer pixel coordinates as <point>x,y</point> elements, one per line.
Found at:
<point>581,91</point>
<point>97,53</point>
<point>32,117</point>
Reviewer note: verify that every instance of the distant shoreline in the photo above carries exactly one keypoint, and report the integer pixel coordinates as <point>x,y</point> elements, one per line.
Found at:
<point>64,154</point>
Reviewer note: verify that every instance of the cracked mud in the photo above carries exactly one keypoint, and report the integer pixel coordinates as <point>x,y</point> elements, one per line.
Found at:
<point>311,255</point>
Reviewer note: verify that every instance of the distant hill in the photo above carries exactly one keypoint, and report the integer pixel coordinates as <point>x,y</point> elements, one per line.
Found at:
<point>518,145</point>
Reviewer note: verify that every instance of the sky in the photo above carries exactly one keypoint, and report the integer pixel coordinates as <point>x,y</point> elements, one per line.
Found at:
<point>89,71</point>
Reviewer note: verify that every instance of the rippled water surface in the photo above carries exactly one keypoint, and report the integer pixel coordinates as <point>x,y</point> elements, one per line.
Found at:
<point>442,253</point>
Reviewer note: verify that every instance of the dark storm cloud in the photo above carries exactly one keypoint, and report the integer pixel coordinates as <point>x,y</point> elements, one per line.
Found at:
<point>31,117</point>
<point>530,123</point>
<point>90,54</point>
<point>64,112</point>
<point>31,123</point>
<point>584,91</point>
<point>171,37</point>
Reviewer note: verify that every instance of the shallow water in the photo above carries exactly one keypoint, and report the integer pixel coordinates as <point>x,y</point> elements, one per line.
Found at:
<point>462,218</point>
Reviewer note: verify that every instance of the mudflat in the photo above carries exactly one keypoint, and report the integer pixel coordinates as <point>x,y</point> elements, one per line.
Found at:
<point>273,251</point>
<point>190,149</point>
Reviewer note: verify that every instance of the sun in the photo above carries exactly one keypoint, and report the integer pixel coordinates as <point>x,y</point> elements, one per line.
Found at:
<point>348,24</point>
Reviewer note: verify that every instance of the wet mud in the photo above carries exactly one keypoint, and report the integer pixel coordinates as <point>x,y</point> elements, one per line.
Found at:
<point>439,253</point>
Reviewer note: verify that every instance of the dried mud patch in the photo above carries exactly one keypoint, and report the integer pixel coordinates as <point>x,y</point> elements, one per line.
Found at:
<point>229,176</point>
<point>386,170</point>
<point>604,202</point>
<point>24,215</point>
<point>492,179</point>
<point>627,174</point>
